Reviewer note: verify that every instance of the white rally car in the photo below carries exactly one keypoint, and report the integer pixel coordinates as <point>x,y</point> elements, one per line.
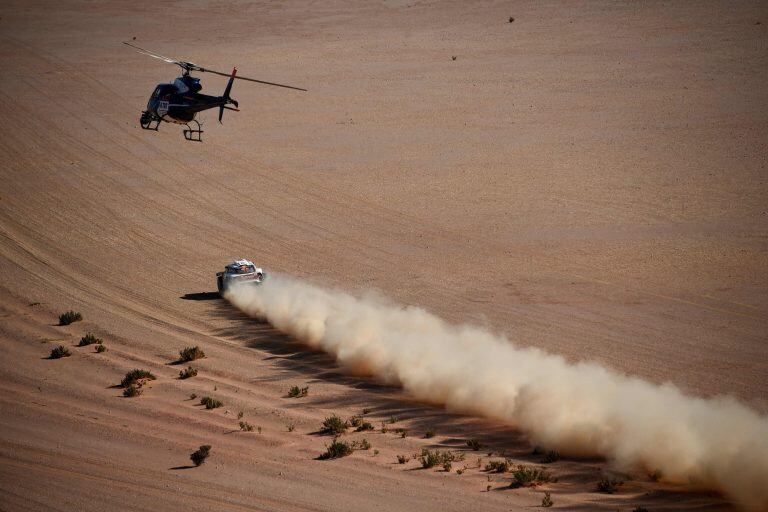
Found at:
<point>239,271</point>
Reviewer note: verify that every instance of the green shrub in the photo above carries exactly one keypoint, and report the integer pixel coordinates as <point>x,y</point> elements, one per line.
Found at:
<point>498,466</point>
<point>59,352</point>
<point>132,390</point>
<point>550,456</point>
<point>525,476</point>
<point>191,353</point>
<point>547,502</point>
<point>364,426</point>
<point>296,391</point>
<point>334,425</point>
<point>89,339</point>
<point>402,459</point>
<point>100,349</point>
<point>69,317</point>
<point>355,421</point>
<point>201,454</point>
<point>210,403</point>
<point>189,372</point>
<point>136,377</point>
<point>336,449</point>
<point>430,433</point>
<point>474,444</point>
<point>246,427</point>
<point>430,459</point>
<point>609,485</point>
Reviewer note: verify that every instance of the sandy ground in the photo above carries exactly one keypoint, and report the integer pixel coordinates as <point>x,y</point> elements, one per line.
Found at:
<point>589,179</point>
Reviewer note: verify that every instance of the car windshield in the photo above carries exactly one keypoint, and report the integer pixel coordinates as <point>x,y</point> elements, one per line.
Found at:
<point>243,269</point>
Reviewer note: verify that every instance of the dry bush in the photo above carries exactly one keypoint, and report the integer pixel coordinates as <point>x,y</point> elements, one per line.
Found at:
<point>201,454</point>
<point>59,352</point>
<point>191,353</point>
<point>69,317</point>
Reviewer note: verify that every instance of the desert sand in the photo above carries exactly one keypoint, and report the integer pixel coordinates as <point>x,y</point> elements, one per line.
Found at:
<point>589,179</point>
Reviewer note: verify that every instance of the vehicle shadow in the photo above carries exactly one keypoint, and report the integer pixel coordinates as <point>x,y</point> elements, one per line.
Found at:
<point>201,296</point>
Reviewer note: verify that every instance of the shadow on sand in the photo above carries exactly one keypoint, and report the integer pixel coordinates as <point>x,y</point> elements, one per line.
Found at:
<point>201,296</point>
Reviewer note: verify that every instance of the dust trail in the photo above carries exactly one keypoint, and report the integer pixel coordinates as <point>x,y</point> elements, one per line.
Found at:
<point>577,409</point>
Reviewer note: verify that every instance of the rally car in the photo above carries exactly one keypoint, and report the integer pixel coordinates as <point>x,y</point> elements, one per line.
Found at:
<point>239,271</point>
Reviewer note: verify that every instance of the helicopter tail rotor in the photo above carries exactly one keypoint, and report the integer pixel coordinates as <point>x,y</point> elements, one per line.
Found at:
<point>226,97</point>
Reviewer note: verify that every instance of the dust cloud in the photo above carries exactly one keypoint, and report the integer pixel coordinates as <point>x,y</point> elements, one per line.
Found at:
<point>579,409</point>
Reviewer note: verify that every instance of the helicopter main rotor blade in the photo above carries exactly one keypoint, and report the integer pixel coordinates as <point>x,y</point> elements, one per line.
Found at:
<point>204,70</point>
<point>161,57</point>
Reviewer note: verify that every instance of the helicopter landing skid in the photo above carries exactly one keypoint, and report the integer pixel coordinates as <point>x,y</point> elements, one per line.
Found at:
<point>149,122</point>
<point>194,134</point>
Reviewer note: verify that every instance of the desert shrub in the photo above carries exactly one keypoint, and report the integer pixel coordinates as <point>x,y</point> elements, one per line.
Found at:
<point>402,459</point>
<point>191,353</point>
<point>296,391</point>
<point>210,403</point>
<point>430,433</point>
<point>291,427</point>
<point>609,485</point>
<point>402,431</point>
<point>336,449</point>
<point>460,471</point>
<point>355,421</point>
<point>362,445</point>
<point>550,456</point>
<point>334,425</point>
<point>69,317</point>
<point>193,396</point>
<point>100,349</point>
<point>511,19</point>
<point>393,419</point>
<point>132,390</point>
<point>89,339</point>
<point>136,377</point>
<point>498,466</point>
<point>525,476</point>
<point>366,411</point>
<point>375,453</point>
<point>656,475</point>
<point>240,415</point>
<point>246,427</point>
<point>59,352</point>
<point>430,458</point>
<point>189,372</point>
<point>474,444</point>
<point>365,425</point>
<point>384,428</point>
<point>547,502</point>
<point>201,454</point>
<point>447,466</point>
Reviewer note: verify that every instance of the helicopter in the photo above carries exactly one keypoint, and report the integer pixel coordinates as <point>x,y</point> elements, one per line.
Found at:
<point>180,101</point>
